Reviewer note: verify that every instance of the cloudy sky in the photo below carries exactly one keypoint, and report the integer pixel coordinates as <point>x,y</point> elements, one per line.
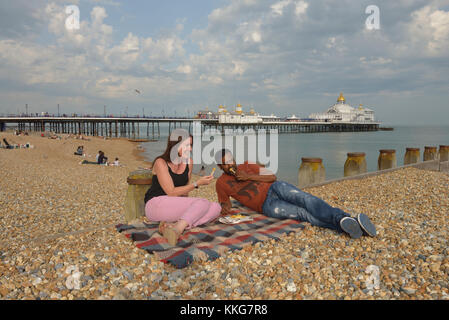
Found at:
<point>284,57</point>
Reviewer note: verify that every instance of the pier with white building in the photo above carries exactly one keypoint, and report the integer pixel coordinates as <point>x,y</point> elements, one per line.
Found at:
<point>340,117</point>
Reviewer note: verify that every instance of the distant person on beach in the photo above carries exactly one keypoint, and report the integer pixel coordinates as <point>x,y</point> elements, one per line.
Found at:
<point>79,151</point>
<point>102,159</point>
<point>256,187</point>
<point>116,162</point>
<point>7,145</point>
<point>167,199</point>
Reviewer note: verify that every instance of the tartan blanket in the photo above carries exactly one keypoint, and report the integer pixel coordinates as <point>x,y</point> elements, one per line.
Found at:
<point>208,242</point>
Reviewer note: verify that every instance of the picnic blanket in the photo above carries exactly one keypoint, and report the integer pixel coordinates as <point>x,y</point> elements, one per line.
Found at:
<point>208,242</point>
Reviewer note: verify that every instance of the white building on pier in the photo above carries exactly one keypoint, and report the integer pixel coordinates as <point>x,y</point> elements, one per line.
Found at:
<point>342,112</point>
<point>238,116</point>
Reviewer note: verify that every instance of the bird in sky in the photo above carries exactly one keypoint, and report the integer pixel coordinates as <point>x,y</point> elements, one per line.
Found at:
<point>137,91</point>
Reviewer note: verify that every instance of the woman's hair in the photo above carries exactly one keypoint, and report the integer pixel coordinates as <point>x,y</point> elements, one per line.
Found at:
<point>177,136</point>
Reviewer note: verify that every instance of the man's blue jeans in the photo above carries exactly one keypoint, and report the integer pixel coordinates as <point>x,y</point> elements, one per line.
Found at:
<point>285,201</point>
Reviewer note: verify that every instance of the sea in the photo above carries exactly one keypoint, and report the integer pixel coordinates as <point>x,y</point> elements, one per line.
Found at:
<point>331,147</point>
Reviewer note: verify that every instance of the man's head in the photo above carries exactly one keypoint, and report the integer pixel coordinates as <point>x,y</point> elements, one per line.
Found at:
<point>226,162</point>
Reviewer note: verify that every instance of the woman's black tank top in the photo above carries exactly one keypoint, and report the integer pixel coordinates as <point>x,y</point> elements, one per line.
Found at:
<point>156,190</point>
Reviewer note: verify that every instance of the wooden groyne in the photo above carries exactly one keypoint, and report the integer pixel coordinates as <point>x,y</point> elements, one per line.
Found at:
<point>355,165</point>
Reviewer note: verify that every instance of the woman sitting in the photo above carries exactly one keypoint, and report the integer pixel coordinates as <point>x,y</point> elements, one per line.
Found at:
<point>102,159</point>
<point>79,151</point>
<point>167,201</point>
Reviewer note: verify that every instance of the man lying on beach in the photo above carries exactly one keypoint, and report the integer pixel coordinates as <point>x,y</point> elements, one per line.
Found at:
<point>256,187</point>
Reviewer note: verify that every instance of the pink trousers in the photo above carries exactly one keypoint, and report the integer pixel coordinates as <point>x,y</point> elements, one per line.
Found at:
<point>195,211</point>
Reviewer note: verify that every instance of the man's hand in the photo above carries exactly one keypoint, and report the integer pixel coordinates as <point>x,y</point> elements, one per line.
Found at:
<point>225,208</point>
<point>242,176</point>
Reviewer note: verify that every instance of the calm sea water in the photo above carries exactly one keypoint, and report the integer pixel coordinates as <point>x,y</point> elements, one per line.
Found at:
<point>333,148</point>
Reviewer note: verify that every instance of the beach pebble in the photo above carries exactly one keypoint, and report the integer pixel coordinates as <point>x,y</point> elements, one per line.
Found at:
<point>291,287</point>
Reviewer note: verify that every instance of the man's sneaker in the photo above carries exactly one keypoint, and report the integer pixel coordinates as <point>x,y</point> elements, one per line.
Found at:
<point>367,226</point>
<point>351,227</point>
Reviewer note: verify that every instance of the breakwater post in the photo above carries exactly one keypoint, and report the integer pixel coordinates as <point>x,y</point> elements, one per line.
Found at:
<point>430,153</point>
<point>355,164</point>
<point>411,156</point>
<point>444,153</point>
<point>311,171</point>
<point>138,184</point>
<point>387,159</point>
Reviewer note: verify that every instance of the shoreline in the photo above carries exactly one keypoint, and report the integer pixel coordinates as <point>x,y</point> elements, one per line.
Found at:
<point>137,153</point>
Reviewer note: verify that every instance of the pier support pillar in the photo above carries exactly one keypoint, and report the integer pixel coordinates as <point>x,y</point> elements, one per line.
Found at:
<point>387,159</point>
<point>355,164</point>
<point>311,171</point>
<point>411,156</point>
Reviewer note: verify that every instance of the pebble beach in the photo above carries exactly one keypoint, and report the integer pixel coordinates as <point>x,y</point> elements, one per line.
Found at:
<point>58,217</point>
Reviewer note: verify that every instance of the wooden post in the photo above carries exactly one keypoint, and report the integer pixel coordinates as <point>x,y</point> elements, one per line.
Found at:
<point>430,153</point>
<point>138,184</point>
<point>387,159</point>
<point>444,153</point>
<point>411,156</point>
<point>311,171</point>
<point>355,164</point>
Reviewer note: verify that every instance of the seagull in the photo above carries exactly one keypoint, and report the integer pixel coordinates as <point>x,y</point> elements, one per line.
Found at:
<point>137,91</point>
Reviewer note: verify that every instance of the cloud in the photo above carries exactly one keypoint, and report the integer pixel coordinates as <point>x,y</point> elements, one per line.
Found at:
<point>299,7</point>
<point>20,18</point>
<point>429,30</point>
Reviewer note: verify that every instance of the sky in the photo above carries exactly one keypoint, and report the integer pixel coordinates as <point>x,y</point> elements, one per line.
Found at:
<point>283,57</point>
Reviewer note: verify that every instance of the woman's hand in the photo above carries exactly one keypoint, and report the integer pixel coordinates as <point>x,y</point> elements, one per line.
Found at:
<point>204,180</point>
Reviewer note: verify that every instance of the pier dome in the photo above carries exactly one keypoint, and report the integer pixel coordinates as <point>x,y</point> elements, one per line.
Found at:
<point>238,108</point>
<point>341,106</point>
<point>341,98</point>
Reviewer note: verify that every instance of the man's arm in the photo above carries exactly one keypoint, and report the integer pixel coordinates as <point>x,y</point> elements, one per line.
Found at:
<point>223,198</point>
<point>226,207</point>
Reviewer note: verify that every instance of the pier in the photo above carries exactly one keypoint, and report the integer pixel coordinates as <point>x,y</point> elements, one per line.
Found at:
<point>115,127</point>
